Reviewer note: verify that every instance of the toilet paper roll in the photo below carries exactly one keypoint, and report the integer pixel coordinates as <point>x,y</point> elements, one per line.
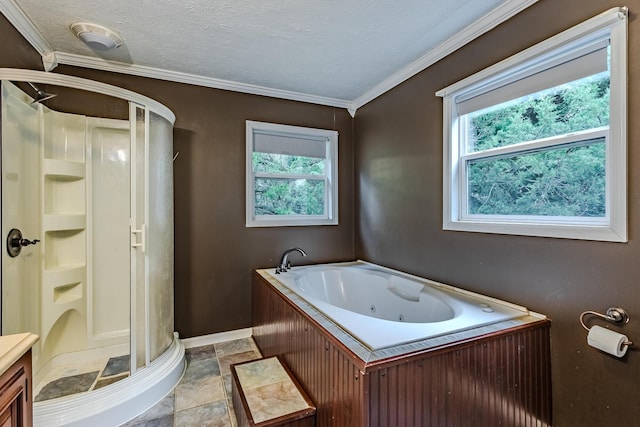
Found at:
<point>607,340</point>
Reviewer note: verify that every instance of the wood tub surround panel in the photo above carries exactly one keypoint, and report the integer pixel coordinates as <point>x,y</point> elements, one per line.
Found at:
<point>499,379</point>
<point>326,372</point>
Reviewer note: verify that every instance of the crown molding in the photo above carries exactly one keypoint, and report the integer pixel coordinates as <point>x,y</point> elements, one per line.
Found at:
<point>180,77</point>
<point>23,24</point>
<point>52,58</point>
<point>489,21</point>
<point>50,61</point>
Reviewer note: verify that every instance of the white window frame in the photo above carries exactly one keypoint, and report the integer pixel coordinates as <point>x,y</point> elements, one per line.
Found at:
<point>330,137</point>
<point>611,24</point>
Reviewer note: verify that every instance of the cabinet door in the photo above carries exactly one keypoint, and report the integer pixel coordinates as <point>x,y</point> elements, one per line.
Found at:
<point>7,418</point>
<point>15,403</point>
<point>12,414</point>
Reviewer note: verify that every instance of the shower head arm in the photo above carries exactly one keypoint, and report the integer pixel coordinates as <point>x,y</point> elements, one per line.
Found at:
<point>41,95</point>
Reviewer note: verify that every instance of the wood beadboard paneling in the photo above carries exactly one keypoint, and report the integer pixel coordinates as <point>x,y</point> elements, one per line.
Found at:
<point>503,379</point>
<point>327,374</point>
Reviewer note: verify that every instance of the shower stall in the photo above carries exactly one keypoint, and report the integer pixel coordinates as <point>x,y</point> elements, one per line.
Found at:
<point>87,263</point>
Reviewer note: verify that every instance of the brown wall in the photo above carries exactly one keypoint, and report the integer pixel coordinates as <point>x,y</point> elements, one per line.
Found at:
<point>398,196</point>
<point>398,184</point>
<point>214,252</point>
<point>15,51</point>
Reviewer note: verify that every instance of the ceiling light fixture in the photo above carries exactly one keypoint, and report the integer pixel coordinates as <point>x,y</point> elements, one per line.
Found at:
<point>96,36</point>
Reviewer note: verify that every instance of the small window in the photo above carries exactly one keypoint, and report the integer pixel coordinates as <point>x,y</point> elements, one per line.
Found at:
<point>536,144</point>
<point>292,175</point>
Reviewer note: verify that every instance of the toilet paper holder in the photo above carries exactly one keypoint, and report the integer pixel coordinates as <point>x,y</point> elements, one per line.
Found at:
<point>616,315</point>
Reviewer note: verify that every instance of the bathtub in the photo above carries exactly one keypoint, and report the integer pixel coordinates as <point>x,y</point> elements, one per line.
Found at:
<point>384,308</point>
<point>376,347</point>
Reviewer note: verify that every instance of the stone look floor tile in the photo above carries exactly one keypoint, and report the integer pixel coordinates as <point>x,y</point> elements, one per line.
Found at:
<point>233,347</point>
<point>117,365</point>
<point>203,396</point>
<point>166,421</point>
<point>199,369</point>
<point>66,386</point>
<point>102,382</point>
<point>198,353</point>
<point>211,415</point>
<point>228,380</point>
<point>228,390</point>
<point>160,410</point>
<point>68,370</point>
<point>199,392</point>
<point>226,361</point>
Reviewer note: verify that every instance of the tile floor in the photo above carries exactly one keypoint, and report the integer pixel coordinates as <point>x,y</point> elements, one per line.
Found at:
<point>78,378</point>
<point>203,396</point>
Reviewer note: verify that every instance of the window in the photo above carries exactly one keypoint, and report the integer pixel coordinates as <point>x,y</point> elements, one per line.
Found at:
<point>536,144</point>
<point>292,175</point>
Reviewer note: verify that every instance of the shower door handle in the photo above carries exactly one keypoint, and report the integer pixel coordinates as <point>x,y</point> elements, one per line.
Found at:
<point>15,242</point>
<point>142,233</point>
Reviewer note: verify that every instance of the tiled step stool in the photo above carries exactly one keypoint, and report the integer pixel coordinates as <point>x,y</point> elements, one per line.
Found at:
<point>266,394</point>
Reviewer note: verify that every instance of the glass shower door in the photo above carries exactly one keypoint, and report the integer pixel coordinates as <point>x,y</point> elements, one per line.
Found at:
<point>151,236</point>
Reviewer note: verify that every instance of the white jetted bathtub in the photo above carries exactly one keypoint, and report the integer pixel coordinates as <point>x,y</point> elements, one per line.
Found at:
<point>383,308</point>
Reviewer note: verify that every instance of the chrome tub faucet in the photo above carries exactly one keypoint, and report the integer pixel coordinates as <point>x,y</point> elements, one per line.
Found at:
<point>285,264</point>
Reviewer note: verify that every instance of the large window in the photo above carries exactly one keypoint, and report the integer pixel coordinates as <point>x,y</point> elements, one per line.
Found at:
<point>292,175</point>
<point>536,144</point>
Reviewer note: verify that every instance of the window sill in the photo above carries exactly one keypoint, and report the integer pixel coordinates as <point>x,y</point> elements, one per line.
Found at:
<point>604,233</point>
<point>289,222</point>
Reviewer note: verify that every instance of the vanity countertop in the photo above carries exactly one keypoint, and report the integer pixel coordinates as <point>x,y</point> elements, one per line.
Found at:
<point>13,347</point>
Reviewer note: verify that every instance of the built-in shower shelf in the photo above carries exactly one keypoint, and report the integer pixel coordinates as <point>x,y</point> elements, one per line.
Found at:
<point>63,275</point>
<point>64,222</point>
<point>64,249</point>
<point>63,168</point>
<point>64,136</point>
<point>67,293</point>
<point>64,195</point>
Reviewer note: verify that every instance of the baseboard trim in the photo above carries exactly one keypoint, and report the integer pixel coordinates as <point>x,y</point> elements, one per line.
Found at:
<point>219,337</point>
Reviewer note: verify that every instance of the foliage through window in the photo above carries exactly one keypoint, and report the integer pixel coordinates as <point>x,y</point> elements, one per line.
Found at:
<point>291,175</point>
<point>536,144</point>
<point>562,180</point>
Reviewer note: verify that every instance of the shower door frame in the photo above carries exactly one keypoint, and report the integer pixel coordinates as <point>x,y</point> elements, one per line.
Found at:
<point>139,161</point>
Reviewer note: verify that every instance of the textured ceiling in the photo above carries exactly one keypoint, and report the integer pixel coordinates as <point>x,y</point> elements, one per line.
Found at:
<point>337,49</point>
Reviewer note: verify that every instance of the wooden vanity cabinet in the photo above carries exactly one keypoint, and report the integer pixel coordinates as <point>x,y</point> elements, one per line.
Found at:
<point>16,408</point>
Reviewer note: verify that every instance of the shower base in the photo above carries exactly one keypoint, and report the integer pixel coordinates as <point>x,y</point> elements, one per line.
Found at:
<point>121,401</point>
<point>69,379</point>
